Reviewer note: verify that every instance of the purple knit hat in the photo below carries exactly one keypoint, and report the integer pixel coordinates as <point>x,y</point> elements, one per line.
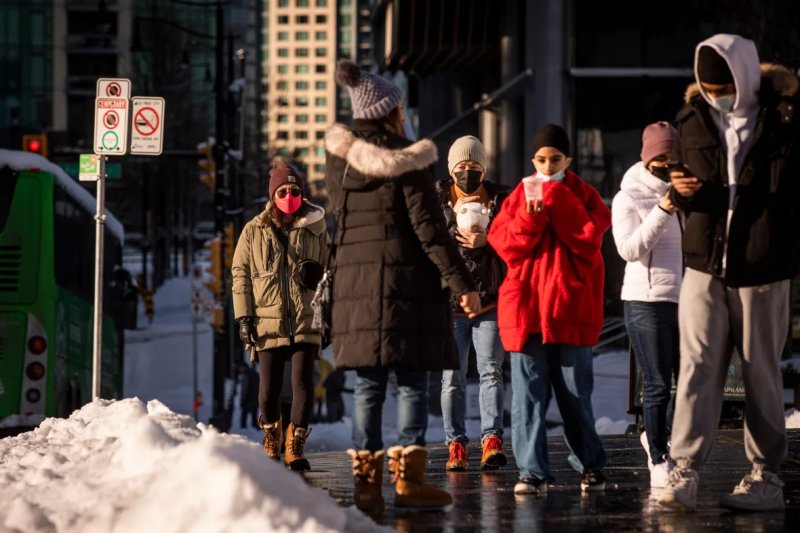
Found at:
<point>657,140</point>
<point>371,96</point>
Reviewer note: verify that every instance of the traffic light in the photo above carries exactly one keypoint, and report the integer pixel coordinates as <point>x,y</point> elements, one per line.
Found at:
<point>230,246</point>
<point>208,165</point>
<point>215,270</point>
<point>35,143</point>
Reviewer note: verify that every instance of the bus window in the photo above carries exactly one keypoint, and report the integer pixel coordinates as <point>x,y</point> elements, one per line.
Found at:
<point>8,182</point>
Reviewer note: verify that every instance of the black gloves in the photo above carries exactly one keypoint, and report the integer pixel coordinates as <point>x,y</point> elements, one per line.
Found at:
<point>247,330</point>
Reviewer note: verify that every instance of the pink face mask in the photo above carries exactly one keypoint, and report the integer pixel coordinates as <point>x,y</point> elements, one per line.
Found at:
<point>288,203</point>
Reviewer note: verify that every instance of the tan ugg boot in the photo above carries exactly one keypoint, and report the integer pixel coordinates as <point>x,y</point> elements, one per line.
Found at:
<point>295,442</point>
<point>272,438</point>
<point>411,489</point>
<point>393,456</point>
<point>367,473</point>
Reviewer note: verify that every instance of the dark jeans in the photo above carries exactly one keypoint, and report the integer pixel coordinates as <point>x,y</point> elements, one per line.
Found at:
<point>412,407</point>
<point>270,364</point>
<point>653,331</point>
<point>248,412</point>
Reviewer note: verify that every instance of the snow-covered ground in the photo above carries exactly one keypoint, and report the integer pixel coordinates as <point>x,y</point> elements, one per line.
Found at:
<point>143,462</point>
<point>123,466</point>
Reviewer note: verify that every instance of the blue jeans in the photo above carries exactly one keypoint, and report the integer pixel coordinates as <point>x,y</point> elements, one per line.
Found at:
<point>483,333</point>
<point>568,369</point>
<point>653,331</point>
<point>412,407</point>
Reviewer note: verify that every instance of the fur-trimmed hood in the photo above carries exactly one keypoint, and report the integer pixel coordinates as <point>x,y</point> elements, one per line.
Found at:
<point>313,220</point>
<point>784,81</point>
<point>378,161</point>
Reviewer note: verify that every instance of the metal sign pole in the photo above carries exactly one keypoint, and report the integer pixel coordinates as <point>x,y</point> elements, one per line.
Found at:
<point>194,367</point>
<point>100,219</point>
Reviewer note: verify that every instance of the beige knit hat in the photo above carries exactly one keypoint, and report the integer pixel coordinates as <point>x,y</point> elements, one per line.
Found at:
<point>467,148</point>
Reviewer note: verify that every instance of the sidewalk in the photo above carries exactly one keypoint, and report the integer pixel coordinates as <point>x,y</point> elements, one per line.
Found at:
<point>486,501</point>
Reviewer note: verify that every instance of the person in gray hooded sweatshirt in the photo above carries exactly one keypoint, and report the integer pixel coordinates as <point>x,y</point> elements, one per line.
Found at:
<point>737,139</point>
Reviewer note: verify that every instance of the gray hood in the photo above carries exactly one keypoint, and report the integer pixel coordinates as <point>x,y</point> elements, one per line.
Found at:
<point>742,58</point>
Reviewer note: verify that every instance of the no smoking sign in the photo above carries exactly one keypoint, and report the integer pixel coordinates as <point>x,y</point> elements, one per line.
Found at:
<point>148,125</point>
<point>110,125</point>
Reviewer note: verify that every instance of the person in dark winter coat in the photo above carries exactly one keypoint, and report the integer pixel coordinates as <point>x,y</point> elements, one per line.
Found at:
<point>550,309</point>
<point>739,143</point>
<point>469,203</point>
<point>248,396</point>
<point>393,258</point>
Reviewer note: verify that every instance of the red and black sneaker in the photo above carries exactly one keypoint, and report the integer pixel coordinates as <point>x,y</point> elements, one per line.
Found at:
<point>493,456</point>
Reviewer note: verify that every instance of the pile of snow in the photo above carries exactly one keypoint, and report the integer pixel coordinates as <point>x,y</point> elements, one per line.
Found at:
<point>792,419</point>
<point>126,466</point>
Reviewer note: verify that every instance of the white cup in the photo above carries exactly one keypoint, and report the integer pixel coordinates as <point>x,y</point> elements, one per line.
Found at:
<point>533,187</point>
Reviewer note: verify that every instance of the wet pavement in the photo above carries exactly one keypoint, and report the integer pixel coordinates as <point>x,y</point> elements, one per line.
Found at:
<point>485,501</point>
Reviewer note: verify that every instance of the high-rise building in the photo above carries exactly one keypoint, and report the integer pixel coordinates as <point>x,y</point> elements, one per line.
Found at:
<point>300,41</point>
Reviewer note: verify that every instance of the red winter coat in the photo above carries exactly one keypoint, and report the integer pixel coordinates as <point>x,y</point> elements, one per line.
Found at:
<point>555,270</point>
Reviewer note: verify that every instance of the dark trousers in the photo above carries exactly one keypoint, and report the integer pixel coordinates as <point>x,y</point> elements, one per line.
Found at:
<point>270,363</point>
<point>653,331</point>
<point>252,412</point>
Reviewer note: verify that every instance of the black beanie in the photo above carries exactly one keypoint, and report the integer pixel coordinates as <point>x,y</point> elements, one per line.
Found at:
<point>712,67</point>
<point>553,136</point>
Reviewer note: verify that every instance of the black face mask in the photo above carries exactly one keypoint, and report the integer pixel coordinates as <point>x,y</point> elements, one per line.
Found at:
<point>661,173</point>
<point>468,180</point>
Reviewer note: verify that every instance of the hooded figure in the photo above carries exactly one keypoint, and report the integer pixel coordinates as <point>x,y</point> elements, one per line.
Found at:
<point>738,139</point>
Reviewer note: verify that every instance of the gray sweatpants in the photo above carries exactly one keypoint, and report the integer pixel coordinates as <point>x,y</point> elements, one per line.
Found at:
<point>713,319</point>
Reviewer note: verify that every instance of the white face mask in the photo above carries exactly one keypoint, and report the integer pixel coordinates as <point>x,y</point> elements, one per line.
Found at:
<point>724,103</point>
<point>558,176</point>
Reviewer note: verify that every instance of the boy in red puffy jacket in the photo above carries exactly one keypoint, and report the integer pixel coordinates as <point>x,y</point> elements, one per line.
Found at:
<point>550,309</point>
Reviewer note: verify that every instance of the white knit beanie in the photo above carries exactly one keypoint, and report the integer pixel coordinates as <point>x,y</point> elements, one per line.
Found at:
<point>467,148</point>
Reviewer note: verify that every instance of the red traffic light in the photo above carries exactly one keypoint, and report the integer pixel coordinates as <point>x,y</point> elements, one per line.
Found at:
<point>34,145</point>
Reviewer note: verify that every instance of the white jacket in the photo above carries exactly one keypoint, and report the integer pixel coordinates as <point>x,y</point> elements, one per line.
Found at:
<point>648,238</point>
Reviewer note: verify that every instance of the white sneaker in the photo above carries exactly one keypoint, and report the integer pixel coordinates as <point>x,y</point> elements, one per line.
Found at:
<point>646,446</point>
<point>659,474</point>
<point>681,490</point>
<point>760,490</point>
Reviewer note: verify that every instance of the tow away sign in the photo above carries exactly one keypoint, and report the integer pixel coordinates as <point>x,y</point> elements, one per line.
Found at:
<point>147,125</point>
<point>111,126</point>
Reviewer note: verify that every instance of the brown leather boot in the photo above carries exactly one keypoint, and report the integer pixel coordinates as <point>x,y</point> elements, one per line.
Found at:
<point>368,473</point>
<point>411,489</point>
<point>272,438</point>
<point>295,442</point>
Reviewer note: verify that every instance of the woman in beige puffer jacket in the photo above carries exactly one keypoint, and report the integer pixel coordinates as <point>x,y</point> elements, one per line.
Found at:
<point>278,262</point>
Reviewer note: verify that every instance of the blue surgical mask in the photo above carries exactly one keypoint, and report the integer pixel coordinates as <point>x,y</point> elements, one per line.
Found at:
<point>724,103</point>
<point>558,176</point>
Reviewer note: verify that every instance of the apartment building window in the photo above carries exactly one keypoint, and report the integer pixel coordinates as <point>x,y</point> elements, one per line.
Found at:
<point>283,135</point>
<point>301,69</point>
<point>283,69</point>
<point>322,3</point>
<point>282,85</point>
<point>320,102</point>
<point>321,118</point>
<point>283,19</point>
<point>301,85</point>
<point>283,101</point>
<point>302,19</point>
<point>301,135</point>
<point>301,102</point>
<point>283,35</point>
<point>283,119</point>
<point>321,69</point>
<point>321,35</point>
<point>320,85</point>
<point>301,119</point>
<point>302,3</point>
<point>302,152</point>
<point>320,135</point>
<point>301,35</point>
<point>320,151</point>
<point>283,52</point>
<point>283,3</point>
<point>321,52</point>
<point>319,167</point>
<point>344,52</point>
<point>283,151</point>
<point>322,19</point>
<point>344,20</point>
<point>301,52</point>
<point>345,37</point>
<point>345,3</point>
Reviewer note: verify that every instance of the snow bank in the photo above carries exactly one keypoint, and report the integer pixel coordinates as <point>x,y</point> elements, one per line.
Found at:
<point>792,419</point>
<point>125,466</point>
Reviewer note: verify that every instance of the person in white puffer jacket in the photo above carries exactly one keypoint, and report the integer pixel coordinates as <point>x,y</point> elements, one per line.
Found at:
<point>647,231</point>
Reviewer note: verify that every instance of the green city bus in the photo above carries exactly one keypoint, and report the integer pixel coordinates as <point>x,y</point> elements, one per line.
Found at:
<point>47,240</point>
